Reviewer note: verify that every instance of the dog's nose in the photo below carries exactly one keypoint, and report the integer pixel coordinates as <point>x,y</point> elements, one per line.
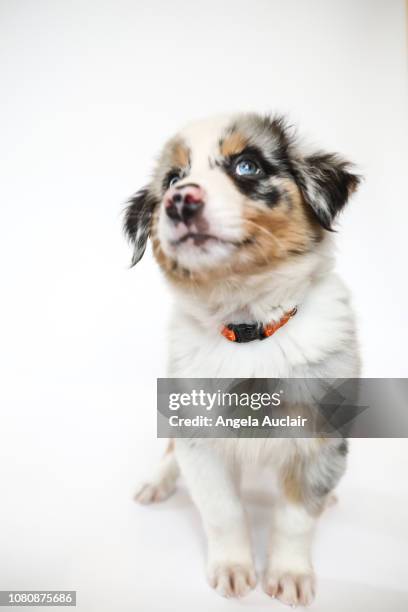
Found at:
<point>184,202</point>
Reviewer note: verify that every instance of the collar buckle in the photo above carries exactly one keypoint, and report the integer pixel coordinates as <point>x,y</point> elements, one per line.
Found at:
<point>245,332</point>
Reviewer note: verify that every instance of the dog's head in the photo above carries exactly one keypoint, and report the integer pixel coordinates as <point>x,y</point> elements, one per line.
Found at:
<point>236,195</point>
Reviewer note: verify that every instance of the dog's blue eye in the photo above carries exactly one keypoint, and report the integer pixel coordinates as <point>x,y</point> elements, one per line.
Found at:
<point>246,167</point>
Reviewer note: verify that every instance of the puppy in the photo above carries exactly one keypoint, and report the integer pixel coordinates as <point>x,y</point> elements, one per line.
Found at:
<point>240,220</point>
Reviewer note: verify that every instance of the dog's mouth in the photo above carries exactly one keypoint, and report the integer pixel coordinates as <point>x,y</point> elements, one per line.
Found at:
<point>199,239</point>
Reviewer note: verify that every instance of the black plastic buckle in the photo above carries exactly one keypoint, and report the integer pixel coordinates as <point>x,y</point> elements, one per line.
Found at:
<point>246,332</point>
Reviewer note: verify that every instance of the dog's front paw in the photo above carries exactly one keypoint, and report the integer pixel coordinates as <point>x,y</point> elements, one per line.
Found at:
<point>151,492</point>
<point>232,579</point>
<point>292,589</point>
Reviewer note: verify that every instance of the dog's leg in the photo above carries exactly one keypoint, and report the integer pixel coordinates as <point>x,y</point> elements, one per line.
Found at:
<point>307,481</point>
<point>289,574</point>
<point>211,482</point>
<point>163,481</point>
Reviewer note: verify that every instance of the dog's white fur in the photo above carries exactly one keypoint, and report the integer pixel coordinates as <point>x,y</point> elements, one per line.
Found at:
<point>320,341</point>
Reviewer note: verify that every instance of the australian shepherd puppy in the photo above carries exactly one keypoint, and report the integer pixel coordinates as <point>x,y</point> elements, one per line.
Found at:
<point>240,219</point>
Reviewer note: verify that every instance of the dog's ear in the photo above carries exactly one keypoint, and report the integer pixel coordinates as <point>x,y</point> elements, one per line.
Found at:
<point>326,182</point>
<point>138,219</point>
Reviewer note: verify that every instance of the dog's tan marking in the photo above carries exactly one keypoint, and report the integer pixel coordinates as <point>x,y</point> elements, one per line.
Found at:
<point>295,479</point>
<point>281,231</point>
<point>175,155</point>
<point>233,144</point>
<point>291,479</point>
<point>180,155</point>
<point>170,447</point>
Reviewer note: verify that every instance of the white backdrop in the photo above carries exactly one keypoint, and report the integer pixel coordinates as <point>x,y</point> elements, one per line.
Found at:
<point>90,90</point>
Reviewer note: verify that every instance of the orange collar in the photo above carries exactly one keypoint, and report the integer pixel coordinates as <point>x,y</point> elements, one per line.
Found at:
<point>246,332</point>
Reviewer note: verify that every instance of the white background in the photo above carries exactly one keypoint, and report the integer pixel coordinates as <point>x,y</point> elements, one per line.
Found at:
<point>90,89</point>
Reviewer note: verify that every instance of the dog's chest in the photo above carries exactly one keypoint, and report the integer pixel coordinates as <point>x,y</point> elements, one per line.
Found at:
<point>200,354</point>
<point>207,354</point>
